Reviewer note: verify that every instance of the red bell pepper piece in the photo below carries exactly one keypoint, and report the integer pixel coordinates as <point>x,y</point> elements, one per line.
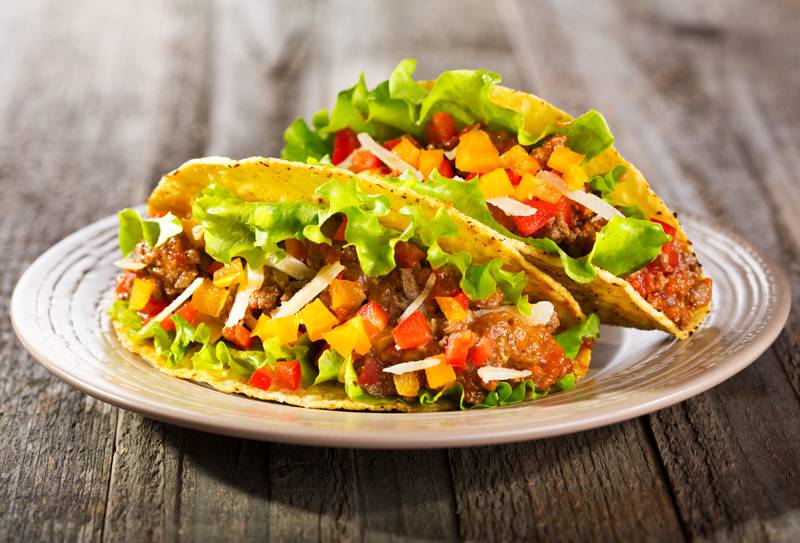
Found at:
<point>153,308</point>
<point>441,128</point>
<point>344,143</point>
<point>374,316</point>
<point>370,371</point>
<point>471,175</point>
<point>391,144</point>
<point>124,281</point>
<point>189,314</point>
<point>239,335</point>
<point>408,255</point>
<point>287,374</point>
<point>413,332</point>
<point>261,378</point>
<point>669,248</point>
<point>513,176</point>
<point>481,352</point>
<point>462,299</point>
<point>564,207</point>
<point>533,223</point>
<point>364,160</point>
<point>214,266</point>
<point>457,348</point>
<point>446,169</point>
<point>339,235</point>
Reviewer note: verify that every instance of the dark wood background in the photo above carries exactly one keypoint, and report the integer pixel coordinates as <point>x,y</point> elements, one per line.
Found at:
<point>98,98</point>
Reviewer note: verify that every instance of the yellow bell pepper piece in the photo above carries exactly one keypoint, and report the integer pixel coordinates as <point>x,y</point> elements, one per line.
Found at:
<point>532,187</point>
<point>283,328</point>
<point>575,178</point>
<point>346,294</point>
<point>408,152</point>
<point>231,274</point>
<point>317,319</point>
<point>209,299</point>
<point>495,183</point>
<point>477,153</point>
<point>406,384</point>
<point>141,291</point>
<point>451,308</point>
<point>518,160</point>
<point>429,160</point>
<point>563,158</point>
<point>441,375</point>
<point>348,337</point>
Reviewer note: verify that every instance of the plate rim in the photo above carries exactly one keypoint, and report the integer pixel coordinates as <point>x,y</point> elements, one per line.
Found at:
<point>189,418</point>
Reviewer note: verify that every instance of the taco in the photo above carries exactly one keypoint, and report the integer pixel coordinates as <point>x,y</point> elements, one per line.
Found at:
<point>313,287</point>
<point>553,186</point>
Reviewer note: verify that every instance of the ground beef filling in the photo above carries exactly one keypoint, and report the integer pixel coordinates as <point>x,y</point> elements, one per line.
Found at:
<point>674,286</point>
<point>172,266</point>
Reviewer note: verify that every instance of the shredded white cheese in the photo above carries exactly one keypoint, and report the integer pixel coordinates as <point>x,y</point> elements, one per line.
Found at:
<point>415,365</point>
<point>309,291</point>
<point>493,373</point>
<point>386,156</point>
<point>242,299</point>
<point>512,207</point>
<point>128,264</point>
<point>586,199</point>
<point>541,312</point>
<point>175,304</point>
<point>294,268</point>
<point>419,300</point>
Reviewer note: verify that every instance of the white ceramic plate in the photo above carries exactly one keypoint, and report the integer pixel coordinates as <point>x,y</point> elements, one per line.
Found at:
<point>58,311</point>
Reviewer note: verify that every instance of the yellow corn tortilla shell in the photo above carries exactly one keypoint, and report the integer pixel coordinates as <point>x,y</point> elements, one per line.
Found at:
<point>270,179</point>
<point>613,299</point>
<point>263,179</point>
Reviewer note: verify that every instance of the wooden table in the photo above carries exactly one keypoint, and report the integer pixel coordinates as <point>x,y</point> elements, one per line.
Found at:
<point>98,98</point>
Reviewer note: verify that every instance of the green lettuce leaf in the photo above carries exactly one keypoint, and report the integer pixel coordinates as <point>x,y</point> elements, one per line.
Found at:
<point>302,143</point>
<point>133,229</point>
<point>354,390</point>
<point>625,245</point>
<point>330,364</point>
<point>120,312</point>
<point>571,339</point>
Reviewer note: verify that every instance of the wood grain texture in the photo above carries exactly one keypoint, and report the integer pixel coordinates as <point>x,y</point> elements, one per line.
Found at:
<point>100,98</point>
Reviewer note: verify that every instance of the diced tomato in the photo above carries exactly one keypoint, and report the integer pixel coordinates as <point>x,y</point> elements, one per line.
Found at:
<point>441,128</point>
<point>239,335</point>
<point>564,207</point>
<point>408,255</point>
<point>261,378</point>
<point>462,299</point>
<point>189,314</point>
<point>214,266</point>
<point>446,169</point>
<point>457,349</point>
<point>413,332</point>
<point>375,317</point>
<point>344,143</point>
<point>153,307</point>
<point>533,223</point>
<point>370,371</point>
<point>481,352</point>
<point>339,235</point>
<point>514,177</point>
<point>391,144</point>
<point>124,281</point>
<point>288,374</point>
<point>364,160</point>
<point>296,248</point>
<point>670,248</point>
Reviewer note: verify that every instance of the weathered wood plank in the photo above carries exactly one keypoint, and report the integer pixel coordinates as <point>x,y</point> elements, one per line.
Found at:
<point>677,86</point>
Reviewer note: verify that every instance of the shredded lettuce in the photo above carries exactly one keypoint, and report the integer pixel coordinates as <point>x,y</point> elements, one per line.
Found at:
<point>626,244</point>
<point>120,312</point>
<point>330,364</point>
<point>571,340</point>
<point>133,229</point>
<point>402,105</point>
